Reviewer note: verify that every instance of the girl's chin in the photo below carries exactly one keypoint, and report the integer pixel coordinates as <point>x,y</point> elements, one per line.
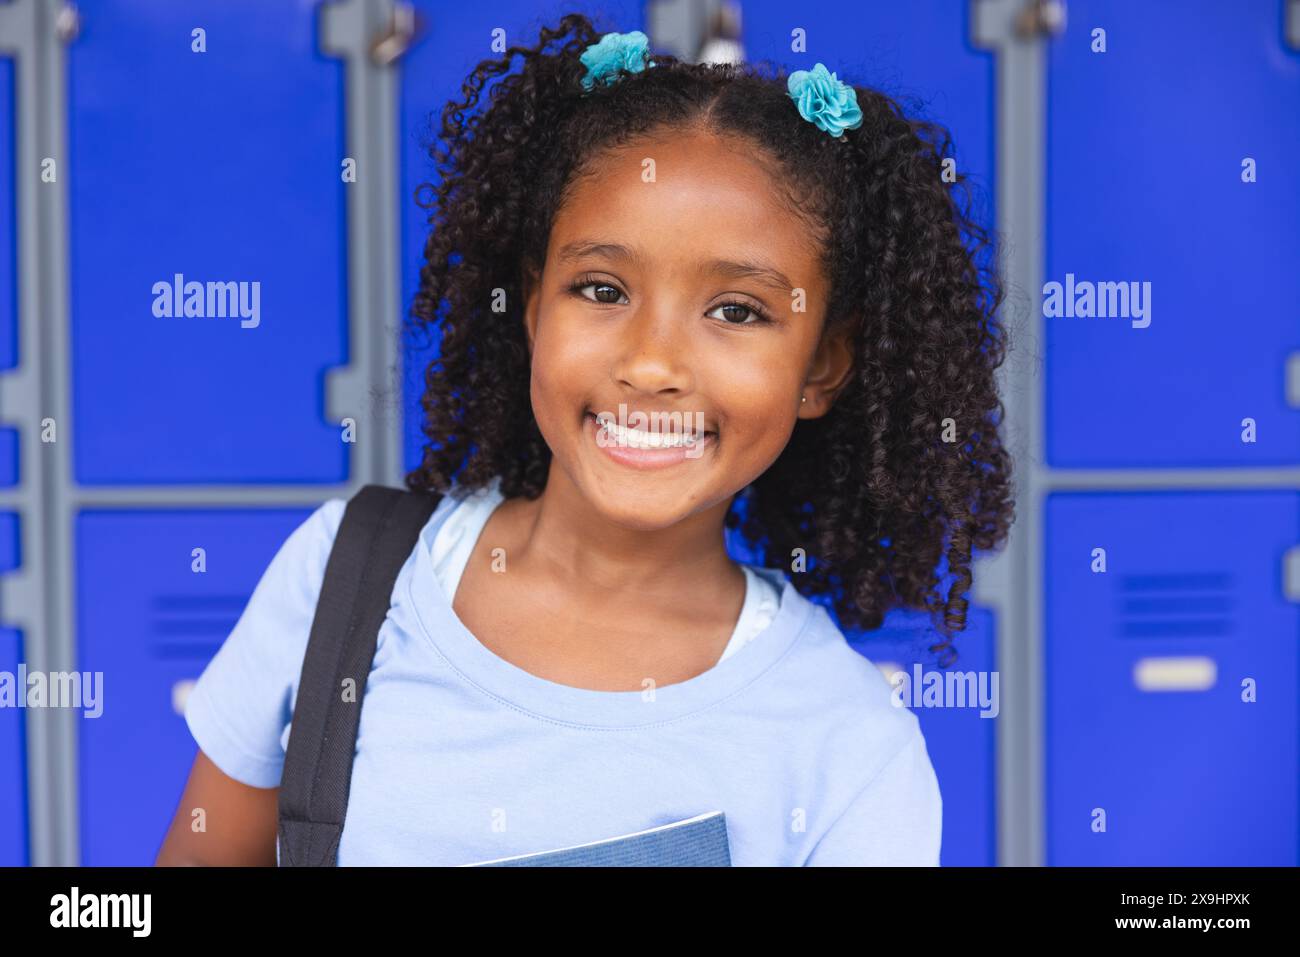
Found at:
<point>650,507</point>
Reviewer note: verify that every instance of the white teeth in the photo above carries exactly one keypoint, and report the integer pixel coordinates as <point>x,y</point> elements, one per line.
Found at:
<point>640,439</point>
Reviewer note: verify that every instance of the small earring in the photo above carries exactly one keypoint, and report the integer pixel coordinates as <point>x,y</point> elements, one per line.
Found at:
<point>803,398</point>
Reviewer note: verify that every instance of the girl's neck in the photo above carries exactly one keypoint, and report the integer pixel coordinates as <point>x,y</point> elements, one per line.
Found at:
<point>562,535</point>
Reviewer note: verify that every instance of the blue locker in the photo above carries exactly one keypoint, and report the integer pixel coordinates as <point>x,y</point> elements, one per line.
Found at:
<point>218,167</point>
<point>961,742</point>
<point>8,257</point>
<point>1145,145</point>
<point>150,625</point>
<point>13,742</point>
<point>13,763</point>
<point>1145,666</point>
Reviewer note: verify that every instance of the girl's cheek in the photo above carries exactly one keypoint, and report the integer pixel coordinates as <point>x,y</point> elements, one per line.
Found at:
<point>561,379</point>
<point>566,347</point>
<point>760,391</point>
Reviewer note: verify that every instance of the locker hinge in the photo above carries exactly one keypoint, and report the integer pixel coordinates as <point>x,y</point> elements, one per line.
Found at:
<point>1041,18</point>
<point>67,23</point>
<point>404,26</point>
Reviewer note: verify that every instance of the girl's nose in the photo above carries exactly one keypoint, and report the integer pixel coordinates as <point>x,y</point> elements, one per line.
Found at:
<point>654,353</point>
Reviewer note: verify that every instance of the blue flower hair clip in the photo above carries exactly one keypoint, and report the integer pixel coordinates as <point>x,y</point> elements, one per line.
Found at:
<point>825,101</point>
<point>615,51</point>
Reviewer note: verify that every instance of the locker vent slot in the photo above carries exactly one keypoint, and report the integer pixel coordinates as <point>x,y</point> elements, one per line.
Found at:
<point>192,626</point>
<point>1176,605</point>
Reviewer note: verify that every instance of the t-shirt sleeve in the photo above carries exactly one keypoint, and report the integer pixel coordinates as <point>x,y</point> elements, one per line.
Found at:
<point>895,820</point>
<point>241,705</point>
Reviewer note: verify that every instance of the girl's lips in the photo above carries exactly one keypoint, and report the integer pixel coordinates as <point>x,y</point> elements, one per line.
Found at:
<point>645,458</point>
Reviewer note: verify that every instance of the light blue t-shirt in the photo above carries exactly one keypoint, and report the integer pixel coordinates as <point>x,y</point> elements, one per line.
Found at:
<point>462,757</point>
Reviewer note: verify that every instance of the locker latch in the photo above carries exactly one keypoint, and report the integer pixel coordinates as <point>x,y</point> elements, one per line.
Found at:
<point>1291,574</point>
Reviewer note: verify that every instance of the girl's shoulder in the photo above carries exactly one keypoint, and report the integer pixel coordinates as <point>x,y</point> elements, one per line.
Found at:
<point>239,708</point>
<point>851,686</point>
<point>839,705</point>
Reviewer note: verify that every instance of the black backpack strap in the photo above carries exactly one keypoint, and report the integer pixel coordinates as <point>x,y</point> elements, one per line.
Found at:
<point>379,530</point>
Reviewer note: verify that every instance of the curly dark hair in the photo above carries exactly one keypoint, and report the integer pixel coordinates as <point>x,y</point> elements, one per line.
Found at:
<point>907,459</point>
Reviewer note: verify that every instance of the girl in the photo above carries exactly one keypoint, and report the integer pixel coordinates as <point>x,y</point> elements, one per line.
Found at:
<point>778,268</point>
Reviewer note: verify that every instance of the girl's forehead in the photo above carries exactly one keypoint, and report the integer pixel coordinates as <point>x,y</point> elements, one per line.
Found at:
<point>688,200</point>
<point>667,156</point>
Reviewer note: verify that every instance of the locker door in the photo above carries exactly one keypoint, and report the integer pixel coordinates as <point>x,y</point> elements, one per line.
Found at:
<point>1150,669</point>
<point>151,625</point>
<point>8,259</point>
<point>432,73</point>
<point>1145,146</point>
<point>13,764</point>
<point>221,167</point>
<point>13,745</point>
<point>962,743</point>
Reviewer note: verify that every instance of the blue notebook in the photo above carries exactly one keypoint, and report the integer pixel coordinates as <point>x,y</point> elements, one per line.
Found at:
<point>696,842</point>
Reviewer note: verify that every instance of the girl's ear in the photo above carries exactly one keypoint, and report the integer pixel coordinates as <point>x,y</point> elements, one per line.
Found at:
<point>530,289</point>
<point>831,366</point>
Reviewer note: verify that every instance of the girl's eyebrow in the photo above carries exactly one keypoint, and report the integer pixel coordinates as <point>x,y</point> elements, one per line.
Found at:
<point>582,248</point>
<point>759,272</point>
<point>748,269</point>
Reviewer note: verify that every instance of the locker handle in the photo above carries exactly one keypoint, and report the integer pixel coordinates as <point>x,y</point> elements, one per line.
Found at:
<point>1191,673</point>
<point>181,693</point>
<point>1293,380</point>
<point>1291,574</point>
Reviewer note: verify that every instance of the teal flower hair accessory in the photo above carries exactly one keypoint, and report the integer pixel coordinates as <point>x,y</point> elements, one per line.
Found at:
<point>824,101</point>
<point>615,52</point>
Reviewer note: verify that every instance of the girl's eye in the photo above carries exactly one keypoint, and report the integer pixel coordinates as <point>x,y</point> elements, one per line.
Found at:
<point>748,315</point>
<point>581,284</point>
<point>742,314</point>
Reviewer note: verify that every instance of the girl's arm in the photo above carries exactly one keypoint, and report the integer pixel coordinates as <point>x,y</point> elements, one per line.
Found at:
<point>239,822</point>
